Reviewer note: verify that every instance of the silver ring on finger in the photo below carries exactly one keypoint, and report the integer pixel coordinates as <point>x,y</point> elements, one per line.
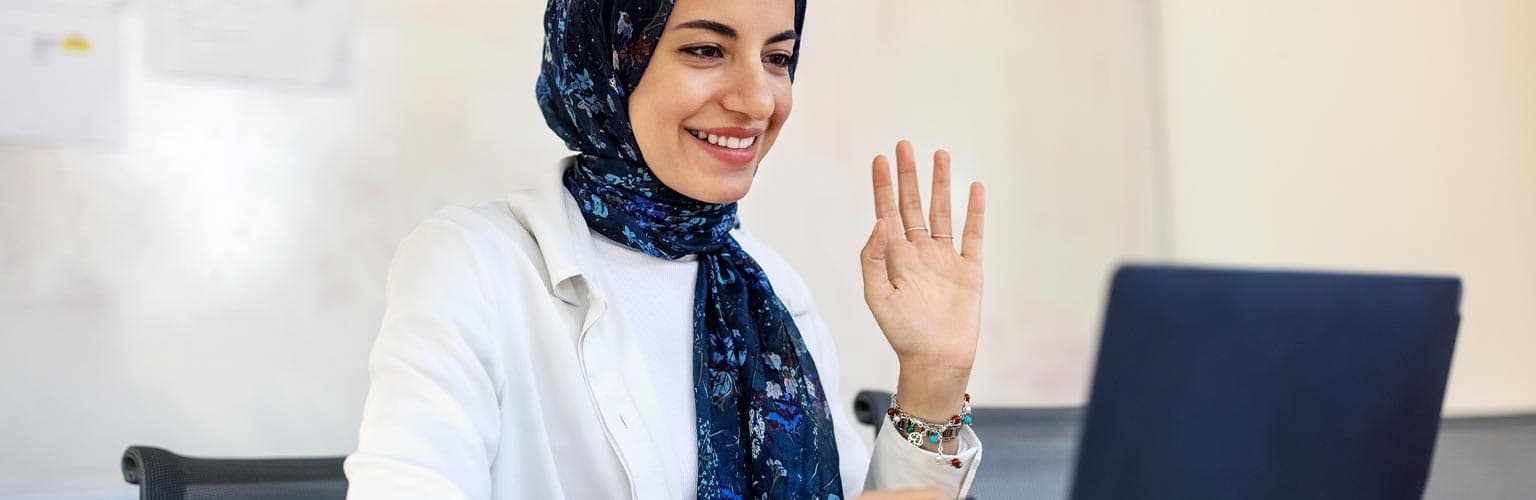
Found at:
<point>945,236</point>
<point>919,228</point>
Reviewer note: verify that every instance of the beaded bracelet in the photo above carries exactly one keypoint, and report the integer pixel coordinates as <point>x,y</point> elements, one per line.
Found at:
<point>934,431</point>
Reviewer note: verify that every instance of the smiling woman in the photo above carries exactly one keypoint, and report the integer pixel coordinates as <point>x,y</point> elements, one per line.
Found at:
<point>615,333</point>
<point>715,95</point>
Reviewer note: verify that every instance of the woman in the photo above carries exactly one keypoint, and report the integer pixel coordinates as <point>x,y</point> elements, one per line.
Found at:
<point>613,334</point>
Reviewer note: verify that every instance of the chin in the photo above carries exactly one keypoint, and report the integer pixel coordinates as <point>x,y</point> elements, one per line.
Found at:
<point>727,190</point>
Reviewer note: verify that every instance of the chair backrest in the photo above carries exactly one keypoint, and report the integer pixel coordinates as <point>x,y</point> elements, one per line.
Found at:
<point>163,475</point>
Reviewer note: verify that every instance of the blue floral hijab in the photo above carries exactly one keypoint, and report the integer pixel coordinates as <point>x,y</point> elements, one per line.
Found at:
<point>764,429</point>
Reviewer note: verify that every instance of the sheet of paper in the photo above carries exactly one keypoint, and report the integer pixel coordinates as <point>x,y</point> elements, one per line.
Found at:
<point>61,71</point>
<point>294,41</point>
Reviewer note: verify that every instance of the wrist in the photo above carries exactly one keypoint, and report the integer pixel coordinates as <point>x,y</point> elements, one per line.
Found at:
<point>932,392</point>
<point>929,435</point>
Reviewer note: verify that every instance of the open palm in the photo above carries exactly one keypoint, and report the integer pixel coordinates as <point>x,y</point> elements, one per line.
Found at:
<point>925,295</point>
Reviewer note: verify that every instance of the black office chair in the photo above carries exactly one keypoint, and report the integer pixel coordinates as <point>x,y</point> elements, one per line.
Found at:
<point>163,475</point>
<point>1030,451</point>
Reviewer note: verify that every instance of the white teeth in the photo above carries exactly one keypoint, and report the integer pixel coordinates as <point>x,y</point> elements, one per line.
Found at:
<point>725,142</point>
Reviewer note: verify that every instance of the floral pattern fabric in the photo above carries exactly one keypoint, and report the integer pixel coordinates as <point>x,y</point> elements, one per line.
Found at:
<point>764,428</point>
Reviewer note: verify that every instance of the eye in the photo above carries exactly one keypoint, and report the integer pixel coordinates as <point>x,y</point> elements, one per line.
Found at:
<point>703,51</point>
<point>781,60</point>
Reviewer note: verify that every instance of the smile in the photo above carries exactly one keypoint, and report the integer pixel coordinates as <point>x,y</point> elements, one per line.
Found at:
<point>724,141</point>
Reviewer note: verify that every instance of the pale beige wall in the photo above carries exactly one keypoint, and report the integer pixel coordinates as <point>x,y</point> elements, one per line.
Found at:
<point>212,285</point>
<point>1046,102</point>
<point>1369,135</point>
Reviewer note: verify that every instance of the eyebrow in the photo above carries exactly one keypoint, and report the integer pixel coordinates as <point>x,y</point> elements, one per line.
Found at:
<point>729,32</point>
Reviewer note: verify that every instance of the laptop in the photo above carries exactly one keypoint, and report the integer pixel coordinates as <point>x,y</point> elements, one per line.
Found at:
<point>1254,385</point>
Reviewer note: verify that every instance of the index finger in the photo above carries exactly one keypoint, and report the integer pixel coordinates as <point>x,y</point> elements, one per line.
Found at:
<point>885,198</point>
<point>911,201</point>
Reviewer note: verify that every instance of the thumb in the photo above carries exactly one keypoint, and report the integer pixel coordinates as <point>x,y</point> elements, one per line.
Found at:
<point>872,261</point>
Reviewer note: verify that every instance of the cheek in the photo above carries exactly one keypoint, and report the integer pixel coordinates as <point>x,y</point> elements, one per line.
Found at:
<point>683,99</point>
<point>658,111</point>
<point>783,103</point>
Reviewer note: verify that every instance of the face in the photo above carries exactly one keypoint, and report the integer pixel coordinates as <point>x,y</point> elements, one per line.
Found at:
<point>715,94</point>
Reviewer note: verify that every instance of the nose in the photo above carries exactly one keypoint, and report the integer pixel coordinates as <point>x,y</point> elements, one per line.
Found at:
<point>750,91</point>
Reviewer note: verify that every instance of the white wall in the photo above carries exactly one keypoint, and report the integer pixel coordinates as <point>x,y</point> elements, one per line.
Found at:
<point>1368,135</point>
<point>1046,102</point>
<point>212,285</point>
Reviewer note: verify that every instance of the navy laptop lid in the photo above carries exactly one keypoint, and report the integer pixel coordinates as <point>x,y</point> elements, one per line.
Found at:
<point>1251,385</point>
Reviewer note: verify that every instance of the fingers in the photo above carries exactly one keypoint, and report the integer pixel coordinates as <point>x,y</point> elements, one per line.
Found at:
<point>938,202</point>
<point>877,282</point>
<point>910,203</point>
<point>901,255</point>
<point>975,218</point>
<point>885,198</point>
<point>924,494</point>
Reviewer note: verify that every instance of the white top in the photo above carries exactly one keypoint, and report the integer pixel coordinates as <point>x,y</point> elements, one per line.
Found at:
<point>655,296</point>
<point>521,356</point>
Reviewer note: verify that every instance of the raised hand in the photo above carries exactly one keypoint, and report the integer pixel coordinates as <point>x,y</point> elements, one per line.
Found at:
<point>925,295</point>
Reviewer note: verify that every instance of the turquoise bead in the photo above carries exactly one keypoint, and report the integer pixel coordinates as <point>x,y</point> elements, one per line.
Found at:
<point>933,438</point>
<point>967,420</point>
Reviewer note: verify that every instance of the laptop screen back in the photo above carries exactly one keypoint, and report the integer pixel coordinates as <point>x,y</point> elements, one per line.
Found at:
<point>1226,384</point>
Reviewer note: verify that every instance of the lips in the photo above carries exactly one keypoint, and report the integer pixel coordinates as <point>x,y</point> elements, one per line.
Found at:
<point>732,145</point>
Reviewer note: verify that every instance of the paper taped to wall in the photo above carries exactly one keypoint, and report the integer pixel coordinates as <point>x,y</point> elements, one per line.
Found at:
<point>293,41</point>
<point>62,65</point>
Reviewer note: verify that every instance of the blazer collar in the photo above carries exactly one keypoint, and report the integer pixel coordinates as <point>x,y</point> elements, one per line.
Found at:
<point>556,224</point>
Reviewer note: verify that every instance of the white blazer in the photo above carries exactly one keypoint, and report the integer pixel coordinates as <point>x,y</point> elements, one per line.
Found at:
<point>496,376</point>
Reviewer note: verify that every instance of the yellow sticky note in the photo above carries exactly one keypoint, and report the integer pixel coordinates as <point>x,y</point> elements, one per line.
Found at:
<point>76,44</point>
